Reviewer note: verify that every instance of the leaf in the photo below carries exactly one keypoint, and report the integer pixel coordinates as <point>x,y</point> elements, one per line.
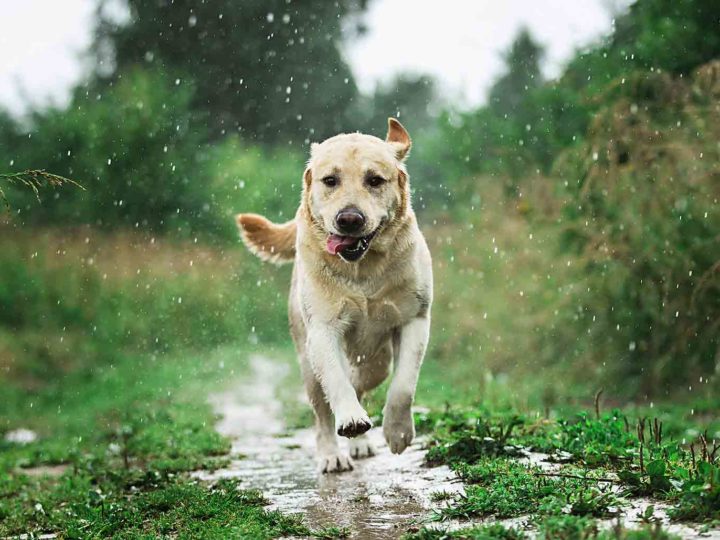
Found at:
<point>656,468</point>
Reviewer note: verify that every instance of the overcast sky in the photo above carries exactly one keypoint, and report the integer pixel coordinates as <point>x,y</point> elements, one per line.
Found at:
<point>459,41</point>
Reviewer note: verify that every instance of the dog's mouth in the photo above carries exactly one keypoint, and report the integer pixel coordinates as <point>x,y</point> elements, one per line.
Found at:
<point>350,248</point>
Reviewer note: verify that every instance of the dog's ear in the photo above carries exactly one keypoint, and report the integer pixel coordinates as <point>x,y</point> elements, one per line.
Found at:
<point>307,176</point>
<point>398,136</point>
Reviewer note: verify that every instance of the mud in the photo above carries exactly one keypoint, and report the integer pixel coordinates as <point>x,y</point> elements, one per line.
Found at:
<point>54,471</point>
<point>380,498</point>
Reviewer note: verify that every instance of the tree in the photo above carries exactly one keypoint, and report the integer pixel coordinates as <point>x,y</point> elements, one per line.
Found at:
<point>268,69</point>
<point>409,97</point>
<point>132,147</point>
<point>668,35</point>
<point>522,75</point>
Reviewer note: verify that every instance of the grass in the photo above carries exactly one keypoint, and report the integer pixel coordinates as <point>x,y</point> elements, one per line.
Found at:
<point>602,460</point>
<point>114,342</point>
<point>485,532</point>
<point>128,440</point>
<point>108,355</point>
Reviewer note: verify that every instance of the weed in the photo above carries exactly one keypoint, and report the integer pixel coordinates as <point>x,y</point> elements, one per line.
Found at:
<point>699,499</point>
<point>442,495</point>
<point>566,527</point>
<point>485,532</point>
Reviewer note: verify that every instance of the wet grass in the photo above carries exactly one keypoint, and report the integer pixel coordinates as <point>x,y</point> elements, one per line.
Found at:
<point>485,532</point>
<point>128,441</point>
<point>131,505</point>
<point>131,437</point>
<point>129,424</point>
<point>598,462</point>
<point>560,528</point>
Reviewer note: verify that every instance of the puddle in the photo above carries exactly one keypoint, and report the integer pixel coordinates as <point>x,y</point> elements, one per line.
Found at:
<point>379,499</point>
<point>382,498</point>
<point>45,470</point>
<point>21,436</point>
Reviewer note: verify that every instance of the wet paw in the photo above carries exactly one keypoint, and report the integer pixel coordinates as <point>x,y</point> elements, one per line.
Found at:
<point>361,447</point>
<point>335,463</point>
<point>398,428</point>
<point>353,425</point>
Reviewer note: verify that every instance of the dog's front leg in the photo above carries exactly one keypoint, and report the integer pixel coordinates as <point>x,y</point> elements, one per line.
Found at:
<point>398,425</point>
<point>328,361</point>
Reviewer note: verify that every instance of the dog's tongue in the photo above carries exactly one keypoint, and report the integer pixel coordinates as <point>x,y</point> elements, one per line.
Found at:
<point>336,243</point>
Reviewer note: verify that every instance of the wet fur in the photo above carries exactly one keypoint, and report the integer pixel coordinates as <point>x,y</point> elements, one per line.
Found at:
<point>352,321</point>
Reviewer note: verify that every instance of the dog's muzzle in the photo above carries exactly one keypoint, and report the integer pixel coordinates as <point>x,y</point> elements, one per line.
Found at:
<point>349,248</point>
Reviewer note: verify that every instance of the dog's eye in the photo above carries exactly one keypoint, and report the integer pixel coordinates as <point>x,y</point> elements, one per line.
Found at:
<point>375,181</point>
<point>330,181</point>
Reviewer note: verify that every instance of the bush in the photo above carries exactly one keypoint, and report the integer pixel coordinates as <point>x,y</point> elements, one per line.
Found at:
<point>641,216</point>
<point>134,147</point>
<point>249,179</point>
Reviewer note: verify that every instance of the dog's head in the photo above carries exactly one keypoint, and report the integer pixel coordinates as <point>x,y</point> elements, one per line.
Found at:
<point>356,186</point>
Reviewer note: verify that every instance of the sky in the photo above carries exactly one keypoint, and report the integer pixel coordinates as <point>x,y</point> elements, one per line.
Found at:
<point>42,42</point>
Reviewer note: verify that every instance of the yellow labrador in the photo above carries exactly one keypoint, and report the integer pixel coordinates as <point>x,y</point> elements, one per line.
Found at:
<point>361,288</point>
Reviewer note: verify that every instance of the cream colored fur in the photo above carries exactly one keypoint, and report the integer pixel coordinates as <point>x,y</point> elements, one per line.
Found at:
<point>353,321</point>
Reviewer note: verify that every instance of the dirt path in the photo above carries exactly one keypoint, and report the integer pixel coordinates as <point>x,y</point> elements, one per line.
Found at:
<point>379,499</point>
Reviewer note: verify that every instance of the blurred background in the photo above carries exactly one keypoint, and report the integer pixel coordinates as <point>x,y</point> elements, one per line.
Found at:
<point>564,169</point>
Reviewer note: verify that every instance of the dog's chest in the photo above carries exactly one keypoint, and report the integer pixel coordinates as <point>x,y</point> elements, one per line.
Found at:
<point>380,314</point>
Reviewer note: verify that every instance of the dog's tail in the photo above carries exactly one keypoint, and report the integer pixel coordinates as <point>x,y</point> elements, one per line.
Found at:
<point>269,241</point>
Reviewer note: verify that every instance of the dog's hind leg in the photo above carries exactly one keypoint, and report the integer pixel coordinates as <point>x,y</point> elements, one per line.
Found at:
<point>331,458</point>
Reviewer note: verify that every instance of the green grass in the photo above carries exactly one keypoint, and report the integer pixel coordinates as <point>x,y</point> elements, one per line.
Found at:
<point>124,505</point>
<point>115,341</point>
<point>127,440</point>
<point>485,532</point>
<point>561,528</point>
<point>594,451</point>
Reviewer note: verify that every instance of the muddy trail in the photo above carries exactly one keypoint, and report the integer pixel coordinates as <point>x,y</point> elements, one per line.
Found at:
<point>382,498</point>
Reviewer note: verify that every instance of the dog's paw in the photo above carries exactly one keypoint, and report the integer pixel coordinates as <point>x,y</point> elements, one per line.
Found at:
<point>398,427</point>
<point>361,447</point>
<point>352,425</point>
<point>335,462</point>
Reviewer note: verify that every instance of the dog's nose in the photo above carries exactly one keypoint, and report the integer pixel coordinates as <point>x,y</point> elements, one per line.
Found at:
<point>349,220</point>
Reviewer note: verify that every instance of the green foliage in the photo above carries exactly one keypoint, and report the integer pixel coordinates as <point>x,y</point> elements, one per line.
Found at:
<point>126,440</point>
<point>34,180</point>
<point>249,179</point>
<point>77,507</point>
<point>481,532</point>
<point>470,439</point>
<point>523,75</point>
<point>700,495</point>
<point>567,527</point>
<point>133,147</point>
<point>641,217</point>
<point>589,455</point>
<point>652,35</point>
<point>505,488</point>
<point>596,441</point>
<point>242,60</point>
<point>648,532</point>
<point>80,300</point>
<point>412,98</point>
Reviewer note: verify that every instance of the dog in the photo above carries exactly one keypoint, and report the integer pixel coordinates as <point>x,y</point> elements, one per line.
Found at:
<point>361,288</point>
